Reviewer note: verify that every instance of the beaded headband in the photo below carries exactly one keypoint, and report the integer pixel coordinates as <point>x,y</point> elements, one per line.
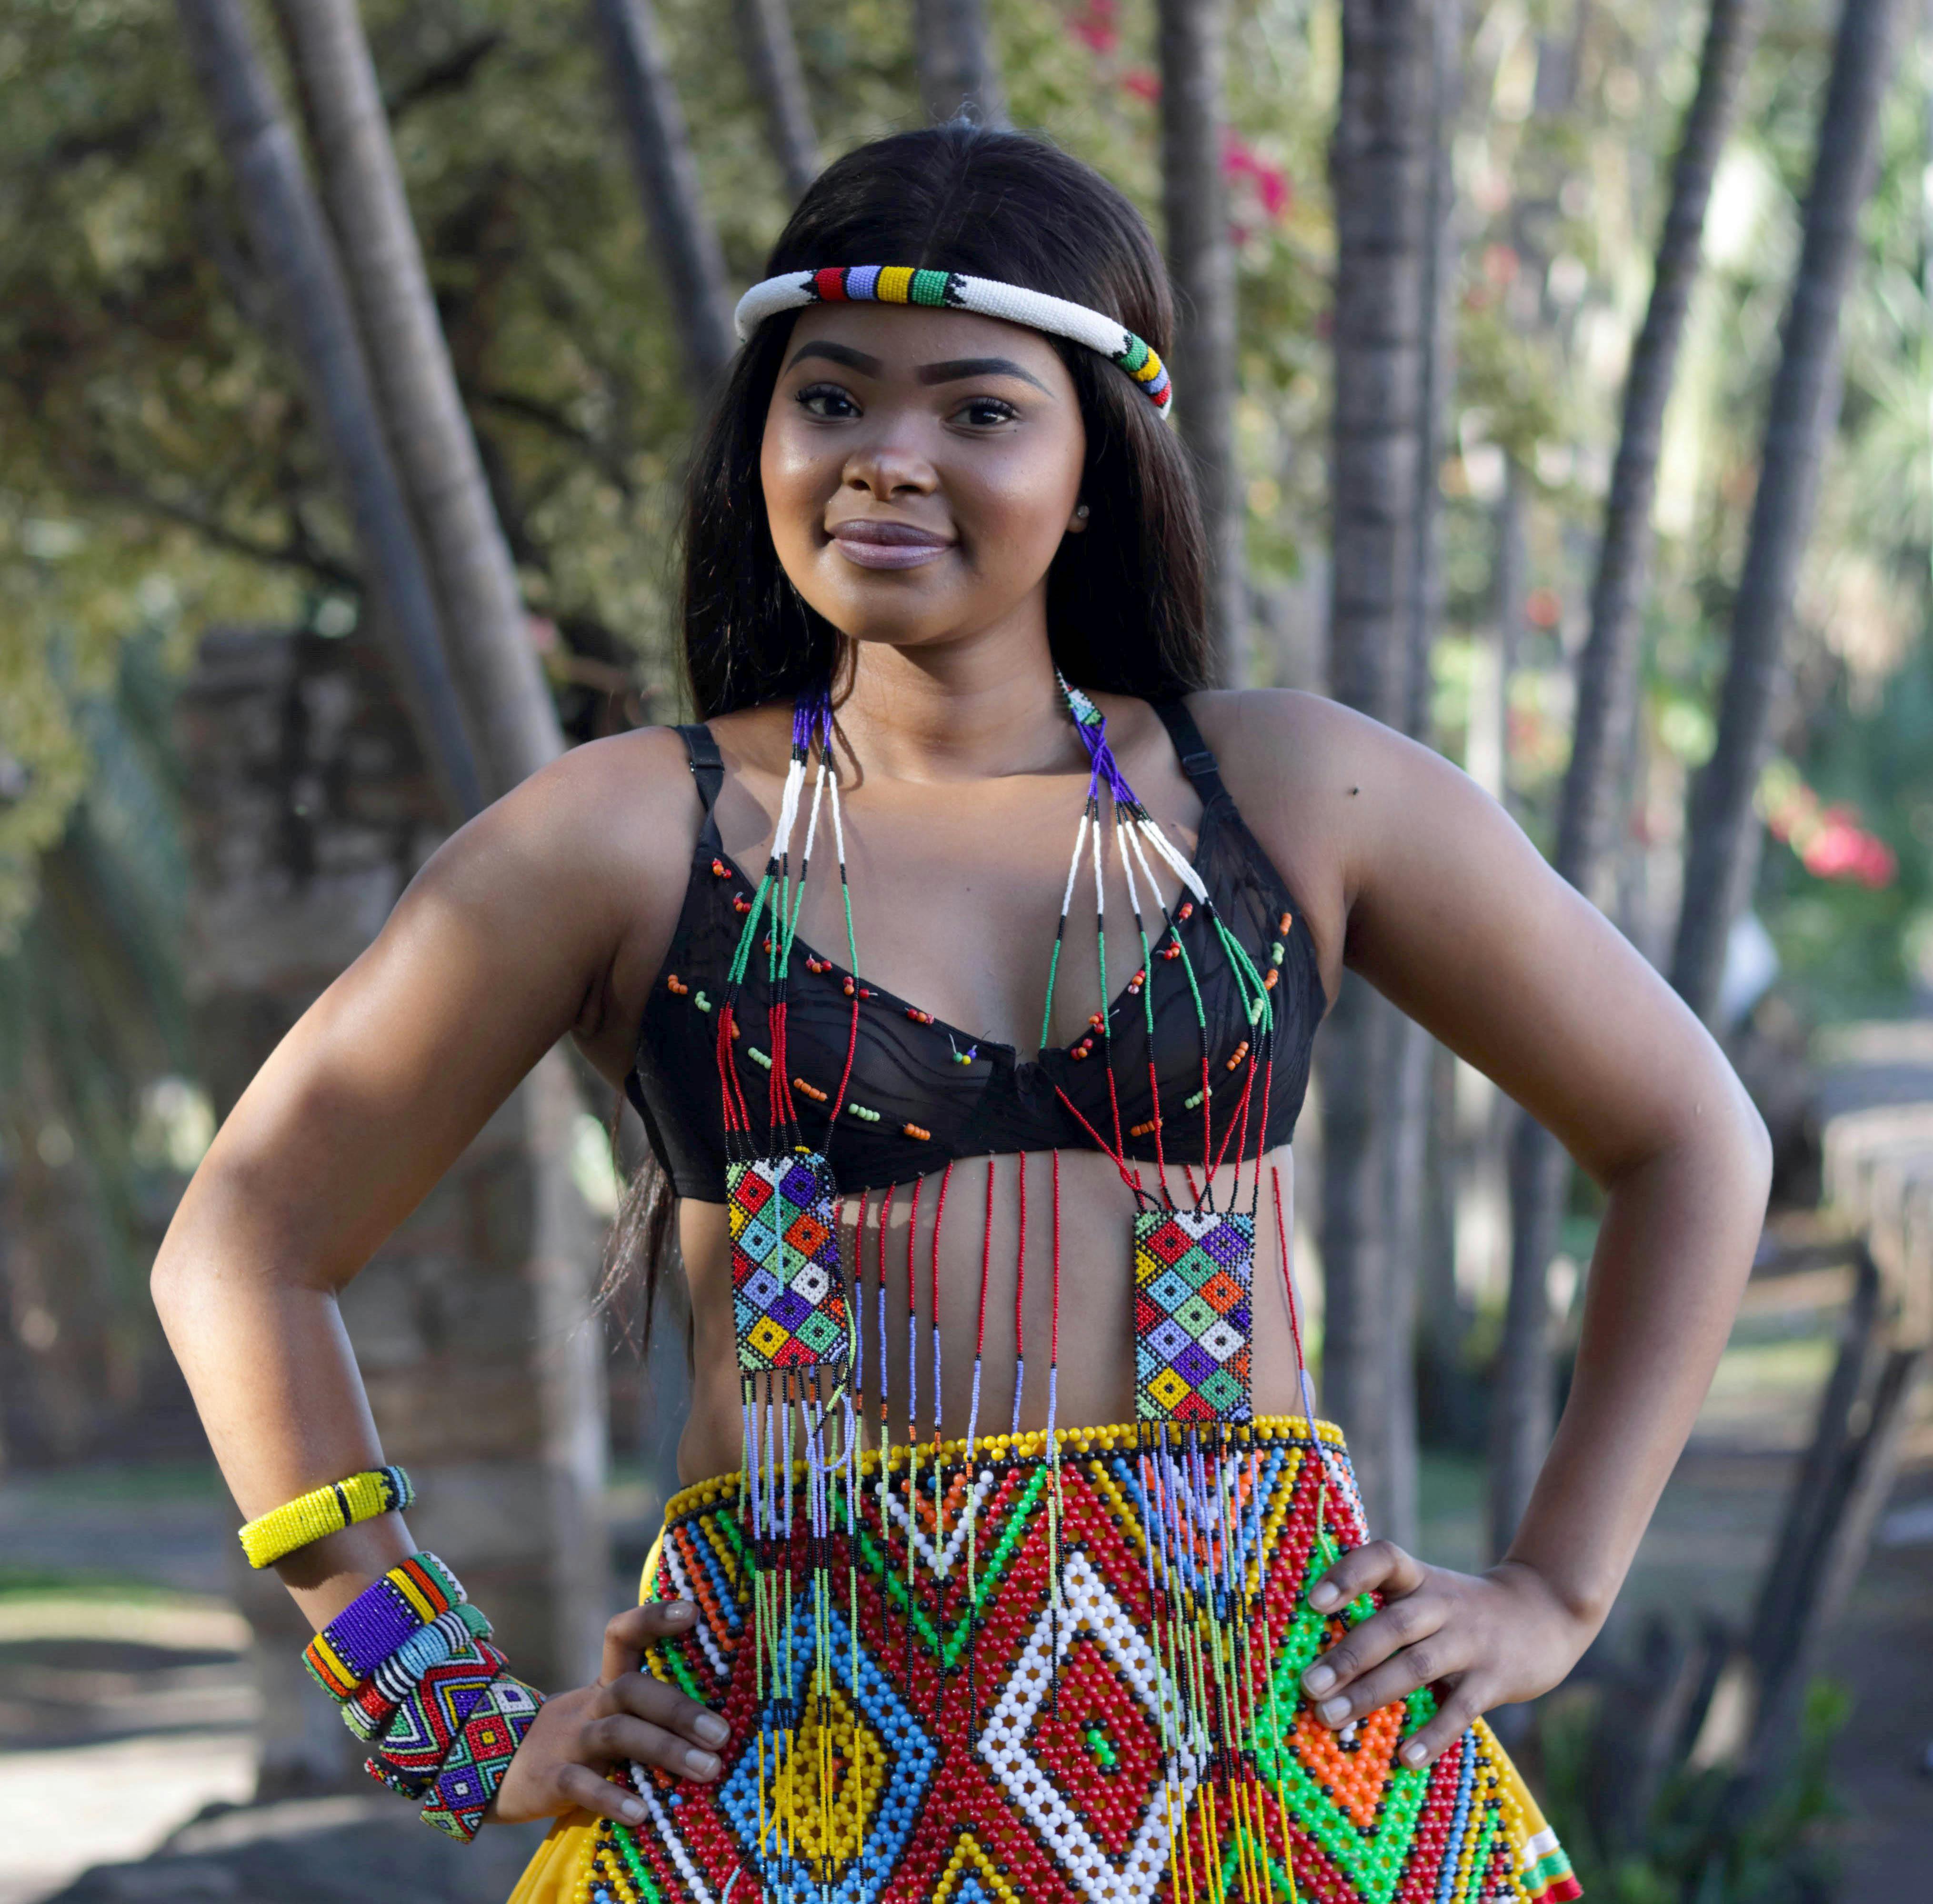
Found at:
<point>953,290</point>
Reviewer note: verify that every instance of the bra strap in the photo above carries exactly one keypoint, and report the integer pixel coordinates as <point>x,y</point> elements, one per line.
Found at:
<point>1197,763</point>
<point>707,764</point>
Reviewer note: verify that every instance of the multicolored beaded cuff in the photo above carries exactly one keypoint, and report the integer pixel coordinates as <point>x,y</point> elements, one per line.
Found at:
<point>480,1756</point>
<point>378,1620</point>
<point>455,1797</point>
<point>369,1711</point>
<point>409,1661</point>
<point>903,283</point>
<point>429,1718</point>
<point>325,1511</point>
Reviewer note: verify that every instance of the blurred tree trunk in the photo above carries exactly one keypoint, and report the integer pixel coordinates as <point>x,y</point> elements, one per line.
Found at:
<point>685,239</point>
<point>953,49</point>
<point>772,57</point>
<point>504,1430</point>
<point>292,250</point>
<point>1722,848</point>
<point>1381,162</point>
<point>1414,1161</point>
<point>509,705</point>
<point>1201,263</point>
<point>1594,795</point>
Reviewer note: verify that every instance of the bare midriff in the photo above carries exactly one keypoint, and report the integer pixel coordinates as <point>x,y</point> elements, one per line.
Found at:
<point>1095,1361</point>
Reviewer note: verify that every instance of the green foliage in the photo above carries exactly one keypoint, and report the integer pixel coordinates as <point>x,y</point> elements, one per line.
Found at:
<point>1699,1846</point>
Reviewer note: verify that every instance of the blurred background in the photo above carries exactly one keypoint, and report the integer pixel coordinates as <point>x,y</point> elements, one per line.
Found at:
<point>1561,381</point>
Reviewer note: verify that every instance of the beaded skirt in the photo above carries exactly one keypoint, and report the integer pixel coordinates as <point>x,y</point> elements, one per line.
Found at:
<point>1002,1722</point>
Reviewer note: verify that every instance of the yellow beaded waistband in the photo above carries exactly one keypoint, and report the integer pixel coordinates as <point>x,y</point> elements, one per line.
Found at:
<point>1074,1443</point>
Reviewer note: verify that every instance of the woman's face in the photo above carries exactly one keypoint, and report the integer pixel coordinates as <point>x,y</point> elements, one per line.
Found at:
<point>919,468</point>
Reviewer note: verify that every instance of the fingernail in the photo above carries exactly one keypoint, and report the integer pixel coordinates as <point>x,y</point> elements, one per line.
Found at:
<point>1323,1596</point>
<point>1413,1753</point>
<point>679,1609</point>
<point>631,1811</point>
<point>1332,1711</point>
<point>712,1729</point>
<point>1319,1679</point>
<point>700,1765</point>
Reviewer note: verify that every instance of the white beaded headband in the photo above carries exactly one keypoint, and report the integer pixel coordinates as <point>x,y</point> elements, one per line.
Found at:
<point>953,290</point>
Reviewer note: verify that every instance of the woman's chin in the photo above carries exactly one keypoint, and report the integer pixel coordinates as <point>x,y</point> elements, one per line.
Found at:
<point>897,614</point>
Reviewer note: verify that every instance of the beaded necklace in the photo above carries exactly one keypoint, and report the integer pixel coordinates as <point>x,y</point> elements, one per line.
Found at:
<point>800,1327</point>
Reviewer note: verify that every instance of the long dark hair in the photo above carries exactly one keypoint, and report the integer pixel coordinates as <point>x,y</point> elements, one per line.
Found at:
<point>1126,601</point>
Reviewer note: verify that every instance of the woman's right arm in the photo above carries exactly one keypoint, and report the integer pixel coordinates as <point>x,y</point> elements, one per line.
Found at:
<point>549,914</point>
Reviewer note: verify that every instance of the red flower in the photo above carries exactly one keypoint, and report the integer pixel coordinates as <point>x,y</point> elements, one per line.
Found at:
<point>1143,83</point>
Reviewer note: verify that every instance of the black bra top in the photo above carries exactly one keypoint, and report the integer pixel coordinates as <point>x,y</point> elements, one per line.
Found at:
<point>931,1108</point>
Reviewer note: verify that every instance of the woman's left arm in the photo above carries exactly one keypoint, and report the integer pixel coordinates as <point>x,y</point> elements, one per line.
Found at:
<point>1446,908</point>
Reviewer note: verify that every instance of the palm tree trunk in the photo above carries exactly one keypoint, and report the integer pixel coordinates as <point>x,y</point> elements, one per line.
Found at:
<point>521,1491</point>
<point>1380,165</point>
<point>1594,794</point>
<point>1592,798</point>
<point>1411,1156</point>
<point>483,621</point>
<point>292,244</point>
<point>953,49</point>
<point>1438,371</point>
<point>771,57</point>
<point>1381,160</point>
<point>686,241</point>
<point>1201,263</point>
<point>1721,852</point>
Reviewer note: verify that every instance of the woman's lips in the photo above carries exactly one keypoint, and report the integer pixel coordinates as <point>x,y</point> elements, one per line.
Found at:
<point>887,545</point>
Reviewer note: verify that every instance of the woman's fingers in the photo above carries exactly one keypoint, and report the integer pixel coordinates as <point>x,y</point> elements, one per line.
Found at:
<point>621,1736</point>
<point>1402,1624</point>
<point>583,1787</point>
<point>1362,1570</point>
<point>626,1636</point>
<point>1462,1704</point>
<point>648,1698</point>
<point>1439,1657</point>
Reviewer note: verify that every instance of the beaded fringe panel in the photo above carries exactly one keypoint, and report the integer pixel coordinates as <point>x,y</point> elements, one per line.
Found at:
<point>984,1700</point>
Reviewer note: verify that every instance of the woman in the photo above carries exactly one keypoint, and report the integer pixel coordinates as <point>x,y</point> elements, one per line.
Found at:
<point>1026,1572</point>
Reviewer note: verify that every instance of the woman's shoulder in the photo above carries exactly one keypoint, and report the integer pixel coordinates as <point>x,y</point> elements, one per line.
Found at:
<point>1297,765</point>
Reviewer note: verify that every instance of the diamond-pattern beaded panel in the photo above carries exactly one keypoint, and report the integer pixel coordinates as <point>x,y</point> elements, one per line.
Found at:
<point>478,1756</point>
<point>998,1740</point>
<point>1194,1285</point>
<point>788,1294</point>
<point>428,1721</point>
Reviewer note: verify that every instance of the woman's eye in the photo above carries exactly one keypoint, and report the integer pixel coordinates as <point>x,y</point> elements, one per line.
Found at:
<point>984,412</point>
<point>826,400</point>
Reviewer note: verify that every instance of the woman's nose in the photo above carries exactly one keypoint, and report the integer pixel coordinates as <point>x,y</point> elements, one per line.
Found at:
<point>890,463</point>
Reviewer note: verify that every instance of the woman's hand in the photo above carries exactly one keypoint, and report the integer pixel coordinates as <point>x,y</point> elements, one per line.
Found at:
<point>1479,1640</point>
<point>627,1715</point>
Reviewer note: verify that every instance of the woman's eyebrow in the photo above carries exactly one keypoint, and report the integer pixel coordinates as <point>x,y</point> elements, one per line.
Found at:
<point>954,368</point>
<point>839,353</point>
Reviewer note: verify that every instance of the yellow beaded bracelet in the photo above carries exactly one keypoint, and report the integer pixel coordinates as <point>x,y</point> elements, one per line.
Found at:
<point>325,1511</point>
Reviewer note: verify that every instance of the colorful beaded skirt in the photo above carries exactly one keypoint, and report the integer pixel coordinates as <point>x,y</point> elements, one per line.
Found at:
<point>1001,1720</point>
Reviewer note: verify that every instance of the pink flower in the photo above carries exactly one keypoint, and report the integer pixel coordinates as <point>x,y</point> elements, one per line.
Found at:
<point>1829,841</point>
<point>1240,160</point>
<point>1097,27</point>
<point>1142,83</point>
<point>1840,849</point>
